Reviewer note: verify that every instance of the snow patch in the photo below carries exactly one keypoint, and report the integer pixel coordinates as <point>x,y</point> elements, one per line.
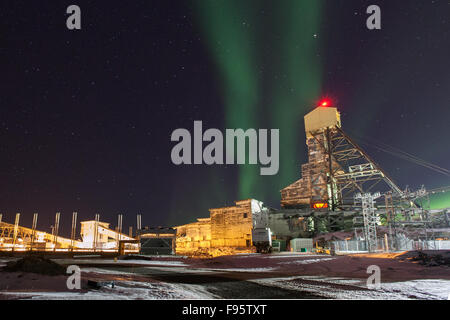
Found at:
<point>126,290</point>
<point>80,262</point>
<point>407,290</point>
<point>307,261</point>
<point>422,289</point>
<point>245,269</point>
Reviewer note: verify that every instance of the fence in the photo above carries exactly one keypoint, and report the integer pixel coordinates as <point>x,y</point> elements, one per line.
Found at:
<point>397,244</point>
<point>301,244</point>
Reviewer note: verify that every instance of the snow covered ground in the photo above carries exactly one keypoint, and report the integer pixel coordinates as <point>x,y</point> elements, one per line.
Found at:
<point>243,276</point>
<point>112,262</point>
<point>127,290</point>
<point>307,261</point>
<point>183,270</point>
<point>244,269</point>
<point>345,289</point>
<point>333,288</point>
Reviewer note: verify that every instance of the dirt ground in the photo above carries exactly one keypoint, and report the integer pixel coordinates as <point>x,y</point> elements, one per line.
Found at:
<point>231,277</point>
<point>394,267</point>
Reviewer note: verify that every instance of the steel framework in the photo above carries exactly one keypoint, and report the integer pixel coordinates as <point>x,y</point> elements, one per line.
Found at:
<point>356,171</point>
<point>370,218</point>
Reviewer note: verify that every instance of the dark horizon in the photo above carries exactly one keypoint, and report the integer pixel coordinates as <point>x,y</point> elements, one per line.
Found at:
<point>86,116</point>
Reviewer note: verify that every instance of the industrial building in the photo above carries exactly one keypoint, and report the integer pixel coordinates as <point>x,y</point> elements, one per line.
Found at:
<point>227,229</point>
<point>340,189</point>
<point>95,236</point>
<point>157,241</point>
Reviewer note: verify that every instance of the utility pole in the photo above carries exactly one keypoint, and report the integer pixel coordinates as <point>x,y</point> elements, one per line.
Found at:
<point>139,222</point>
<point>73,230</point>
<point>119,230</point>
<point>16,228</point>
<point>33,232</point>
<point>97,219</point>
<point>55,235</point>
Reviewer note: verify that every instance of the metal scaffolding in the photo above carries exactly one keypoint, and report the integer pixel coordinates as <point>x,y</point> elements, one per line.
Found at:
<point>356,172</point>
<point>370,218</point>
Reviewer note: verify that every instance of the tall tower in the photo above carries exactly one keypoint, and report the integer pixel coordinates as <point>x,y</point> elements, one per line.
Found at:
<point>337,167</point>
<point>315,185</point>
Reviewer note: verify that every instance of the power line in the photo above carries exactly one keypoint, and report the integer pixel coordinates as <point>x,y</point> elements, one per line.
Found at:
<point>371,142</point>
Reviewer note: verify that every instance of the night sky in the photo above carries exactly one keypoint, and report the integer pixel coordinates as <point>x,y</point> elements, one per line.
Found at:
<point>86,116</point>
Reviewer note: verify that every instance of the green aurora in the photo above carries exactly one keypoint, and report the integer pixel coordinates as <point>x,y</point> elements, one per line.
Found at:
<point>440,200</point>
<point>267,56</point>
<point>270,75</point>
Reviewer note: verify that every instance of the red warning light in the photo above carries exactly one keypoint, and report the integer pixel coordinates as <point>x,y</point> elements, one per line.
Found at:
<point>325,103</point>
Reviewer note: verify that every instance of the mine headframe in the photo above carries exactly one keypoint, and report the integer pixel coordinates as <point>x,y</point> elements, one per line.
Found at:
<point>336,170</point>
<point>350,169</point>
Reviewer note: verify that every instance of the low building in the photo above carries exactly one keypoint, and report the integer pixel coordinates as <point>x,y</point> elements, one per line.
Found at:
<point>232,226</point>
<point>226,231</point>
<point>98,235</point>
<point>157,241</point>
<point>193,237</point>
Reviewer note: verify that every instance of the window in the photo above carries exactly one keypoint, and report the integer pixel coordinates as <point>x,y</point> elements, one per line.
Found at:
<point>245,215</point>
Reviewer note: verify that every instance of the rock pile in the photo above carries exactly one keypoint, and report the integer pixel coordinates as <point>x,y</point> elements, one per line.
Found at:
<point>38,265</point>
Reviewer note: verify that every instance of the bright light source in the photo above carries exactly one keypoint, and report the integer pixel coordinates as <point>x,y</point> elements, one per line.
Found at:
<point>320,205</point>
<point>325,103</point>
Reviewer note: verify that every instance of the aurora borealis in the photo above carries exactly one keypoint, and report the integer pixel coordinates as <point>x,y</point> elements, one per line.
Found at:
<point>269,77</point>
<point>86,116</point>
<point>274,62</point>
